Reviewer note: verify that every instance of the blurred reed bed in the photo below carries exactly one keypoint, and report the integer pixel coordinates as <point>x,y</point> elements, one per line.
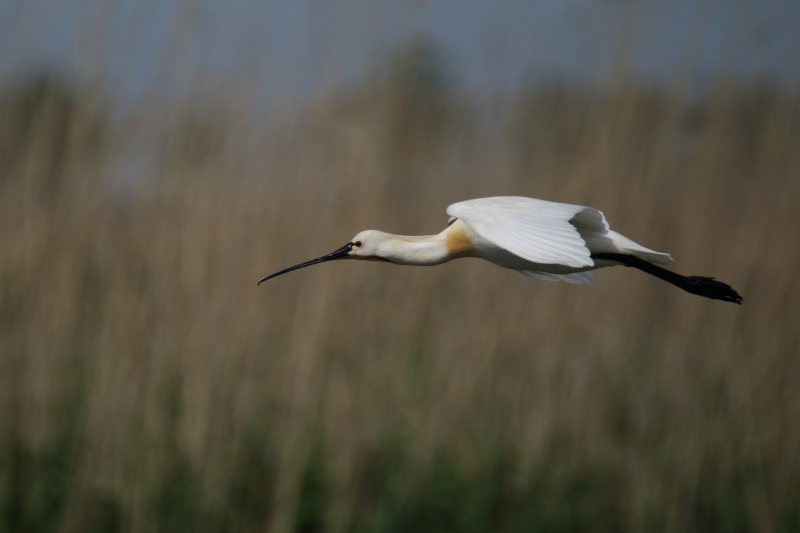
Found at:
<point>147,384</point>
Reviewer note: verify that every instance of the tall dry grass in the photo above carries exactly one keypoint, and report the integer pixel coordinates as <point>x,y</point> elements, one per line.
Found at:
<point>147,384</point>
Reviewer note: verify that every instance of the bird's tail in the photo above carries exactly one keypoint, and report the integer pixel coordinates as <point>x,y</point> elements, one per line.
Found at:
<point>701,286</point>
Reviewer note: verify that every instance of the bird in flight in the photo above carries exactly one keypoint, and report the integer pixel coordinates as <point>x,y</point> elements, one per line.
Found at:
<point>543,240</point>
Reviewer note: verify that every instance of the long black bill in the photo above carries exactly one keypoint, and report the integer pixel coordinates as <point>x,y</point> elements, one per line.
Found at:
<point>341,253</point>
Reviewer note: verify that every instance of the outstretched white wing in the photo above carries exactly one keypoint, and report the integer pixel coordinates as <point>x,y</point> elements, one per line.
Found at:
<point>576,278</point>
<point>535,230</point>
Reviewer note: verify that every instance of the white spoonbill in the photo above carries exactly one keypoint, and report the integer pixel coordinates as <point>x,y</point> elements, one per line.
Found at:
<point>542,240</point>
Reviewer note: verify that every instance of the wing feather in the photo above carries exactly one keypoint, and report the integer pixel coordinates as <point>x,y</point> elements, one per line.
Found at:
<point>577,278</point>
<point>535,230</point>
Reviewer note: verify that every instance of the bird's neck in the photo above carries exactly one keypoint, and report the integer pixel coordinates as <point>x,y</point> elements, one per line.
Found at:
<point>428,250</point>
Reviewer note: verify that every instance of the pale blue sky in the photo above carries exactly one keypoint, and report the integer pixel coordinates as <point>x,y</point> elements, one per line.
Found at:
<point>138,47</point>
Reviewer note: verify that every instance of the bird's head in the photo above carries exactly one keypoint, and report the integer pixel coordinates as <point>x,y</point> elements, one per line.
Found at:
<point>366,246</point>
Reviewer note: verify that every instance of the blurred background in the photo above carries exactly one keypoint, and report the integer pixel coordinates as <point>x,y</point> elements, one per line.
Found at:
<point>158,157</point>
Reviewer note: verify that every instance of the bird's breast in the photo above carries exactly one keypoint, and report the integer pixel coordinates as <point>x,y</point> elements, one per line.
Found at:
<point>458,240</point>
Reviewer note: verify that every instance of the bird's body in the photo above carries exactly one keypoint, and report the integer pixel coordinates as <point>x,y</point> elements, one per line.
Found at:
<point>540,239</point>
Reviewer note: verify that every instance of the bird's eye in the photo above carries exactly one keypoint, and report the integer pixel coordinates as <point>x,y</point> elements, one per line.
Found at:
<point>358,244</point>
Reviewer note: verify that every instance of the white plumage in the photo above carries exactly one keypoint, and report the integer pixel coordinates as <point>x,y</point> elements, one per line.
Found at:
<point>543,240</point>
<point>556,239</point>
<point>535,230</point>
